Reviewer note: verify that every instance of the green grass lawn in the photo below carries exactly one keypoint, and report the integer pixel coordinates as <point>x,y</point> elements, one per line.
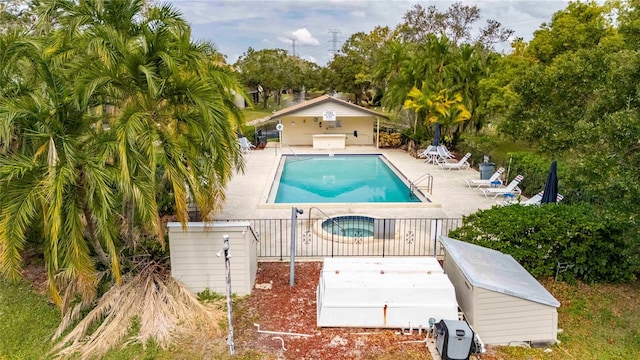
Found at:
<point>27,322</point>
<point>598,321</point>
<point>255,113</point>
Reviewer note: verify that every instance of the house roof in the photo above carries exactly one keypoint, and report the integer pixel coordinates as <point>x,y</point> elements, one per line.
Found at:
<point>492,270</point>
<point>311,103</point>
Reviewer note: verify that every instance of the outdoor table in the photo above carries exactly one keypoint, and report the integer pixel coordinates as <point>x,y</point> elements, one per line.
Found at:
<point>432,157</point>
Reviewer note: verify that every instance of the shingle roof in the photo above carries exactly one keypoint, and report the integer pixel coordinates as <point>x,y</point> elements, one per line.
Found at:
<point>310,103</point>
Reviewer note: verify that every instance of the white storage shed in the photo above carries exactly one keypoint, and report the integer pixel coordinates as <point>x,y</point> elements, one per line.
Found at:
<point>384,293</point>
<point>194,259</point>
<point>501,301</point>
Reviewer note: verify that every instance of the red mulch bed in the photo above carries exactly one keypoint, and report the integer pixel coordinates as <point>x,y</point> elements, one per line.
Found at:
<point>286,309</point>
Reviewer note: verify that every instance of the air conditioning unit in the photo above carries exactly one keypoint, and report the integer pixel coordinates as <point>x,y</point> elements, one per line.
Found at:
<point>454,340</point>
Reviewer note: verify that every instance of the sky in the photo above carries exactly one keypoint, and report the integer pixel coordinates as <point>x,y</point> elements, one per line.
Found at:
<point>309,25</point>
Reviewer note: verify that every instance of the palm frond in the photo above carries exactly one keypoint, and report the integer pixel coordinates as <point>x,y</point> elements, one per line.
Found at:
<point>162,307</point>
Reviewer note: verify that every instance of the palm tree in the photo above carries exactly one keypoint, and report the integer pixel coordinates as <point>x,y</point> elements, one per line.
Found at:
<point>426,66</point>
<point>437,108</point>
<point>53,174</point>
<point>114,93</point>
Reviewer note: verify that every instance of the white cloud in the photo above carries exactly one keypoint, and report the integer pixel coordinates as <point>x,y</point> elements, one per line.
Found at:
<point>304,37</point>
<point>236,25</point>
<point>311,58</point>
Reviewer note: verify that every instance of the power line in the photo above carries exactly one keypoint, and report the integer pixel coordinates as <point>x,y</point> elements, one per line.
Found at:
<point>293,46</point>
<point>334,41</point>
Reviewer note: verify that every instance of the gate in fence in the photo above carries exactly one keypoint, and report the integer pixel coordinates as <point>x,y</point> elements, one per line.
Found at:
<point>349,235</point>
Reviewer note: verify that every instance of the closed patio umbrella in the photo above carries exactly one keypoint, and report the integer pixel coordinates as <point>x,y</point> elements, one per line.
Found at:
<point>436,135</point>
<point>551,185</point>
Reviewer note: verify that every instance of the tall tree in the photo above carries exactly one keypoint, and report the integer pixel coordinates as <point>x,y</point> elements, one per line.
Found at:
<point>264,70</point>
<point>456,23</point>
<point>115,92</point>
<point>440,108</point>
<point>629,22</point>
<point>438,64</point>
<point>353,66</point>
<point>581,25</point>
<point>496,91</point>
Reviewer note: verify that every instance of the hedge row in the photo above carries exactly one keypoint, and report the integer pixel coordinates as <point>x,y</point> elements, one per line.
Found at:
<point>599,246</point>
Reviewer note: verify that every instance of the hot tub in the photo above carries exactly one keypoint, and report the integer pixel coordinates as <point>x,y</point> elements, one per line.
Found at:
<point>356,228</point>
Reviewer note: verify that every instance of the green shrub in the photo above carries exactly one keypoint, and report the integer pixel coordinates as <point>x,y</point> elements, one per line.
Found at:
<point>598,245</point>
<point>534,168</point>
<point>207,295</point>
<point>419,136</point>
<point>248,131</point>
<point>478,146</point>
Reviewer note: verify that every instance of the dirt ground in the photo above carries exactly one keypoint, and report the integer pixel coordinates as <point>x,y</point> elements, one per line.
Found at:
<point>281,308</point>
<point>286,309</point>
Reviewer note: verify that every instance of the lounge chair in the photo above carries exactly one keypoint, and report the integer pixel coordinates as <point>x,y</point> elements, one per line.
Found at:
<point>460,165</point>
<point>436,154</point>
<point>511,189</point>
<point>534,200</point>
<point>494,180</point>
<point>444,153</point>
<point>425,153</point>
<point>245,145</point>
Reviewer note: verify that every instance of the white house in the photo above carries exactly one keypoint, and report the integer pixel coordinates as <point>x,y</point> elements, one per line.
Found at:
<point>326,123</point>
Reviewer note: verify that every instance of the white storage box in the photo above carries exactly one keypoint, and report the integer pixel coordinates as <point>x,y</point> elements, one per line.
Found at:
<point>384,293</point>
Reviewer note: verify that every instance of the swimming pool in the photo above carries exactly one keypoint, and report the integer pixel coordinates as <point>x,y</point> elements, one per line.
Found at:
<point>340,179</point>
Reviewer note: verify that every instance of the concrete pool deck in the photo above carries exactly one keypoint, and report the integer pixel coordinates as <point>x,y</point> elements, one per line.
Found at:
<point>450,197</point>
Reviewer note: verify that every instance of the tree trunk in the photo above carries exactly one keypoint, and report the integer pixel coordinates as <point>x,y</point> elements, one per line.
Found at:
<point>278,97</point>
<point>93,240</point>
<point>265,97</point>
<point>128,208</point>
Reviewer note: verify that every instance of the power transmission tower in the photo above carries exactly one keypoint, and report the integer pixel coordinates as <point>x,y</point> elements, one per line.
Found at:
<point>293,46</point>
<point>334,41</point>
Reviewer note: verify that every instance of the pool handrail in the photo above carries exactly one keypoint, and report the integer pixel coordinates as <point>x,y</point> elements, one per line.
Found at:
<point>333,221</point>
<point>414,184</point>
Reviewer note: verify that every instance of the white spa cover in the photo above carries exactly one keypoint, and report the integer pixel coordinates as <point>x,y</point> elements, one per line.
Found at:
<point>397,292</point>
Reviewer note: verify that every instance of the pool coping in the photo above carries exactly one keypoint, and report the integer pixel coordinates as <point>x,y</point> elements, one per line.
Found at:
<point>271,187</point>
<point>450,194</point>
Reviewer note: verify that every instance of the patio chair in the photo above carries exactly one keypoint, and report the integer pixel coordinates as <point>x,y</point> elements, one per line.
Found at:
<point>511,189</point>
<point>444,153</point>
<point>463,164</point>
<point>494,180</point>
<point>534,200</point>
<point>245,145</point>
<point>425,152</point>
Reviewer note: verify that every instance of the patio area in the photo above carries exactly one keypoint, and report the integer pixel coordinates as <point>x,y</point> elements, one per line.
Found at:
<point>450,197</point>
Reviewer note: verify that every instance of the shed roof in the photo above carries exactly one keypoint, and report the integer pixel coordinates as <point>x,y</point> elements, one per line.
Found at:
<point>492,270</point>
<point>291,110</point>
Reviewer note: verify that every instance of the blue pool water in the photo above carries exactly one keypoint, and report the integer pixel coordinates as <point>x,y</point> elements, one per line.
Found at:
<point>349,225</point>
<point>340,179</point>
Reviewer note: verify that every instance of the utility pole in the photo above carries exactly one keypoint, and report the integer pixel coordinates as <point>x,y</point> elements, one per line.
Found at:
<point>292,261</point>
<point>227,268</point>
<point>334,41</point>
<point>293,46</point>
